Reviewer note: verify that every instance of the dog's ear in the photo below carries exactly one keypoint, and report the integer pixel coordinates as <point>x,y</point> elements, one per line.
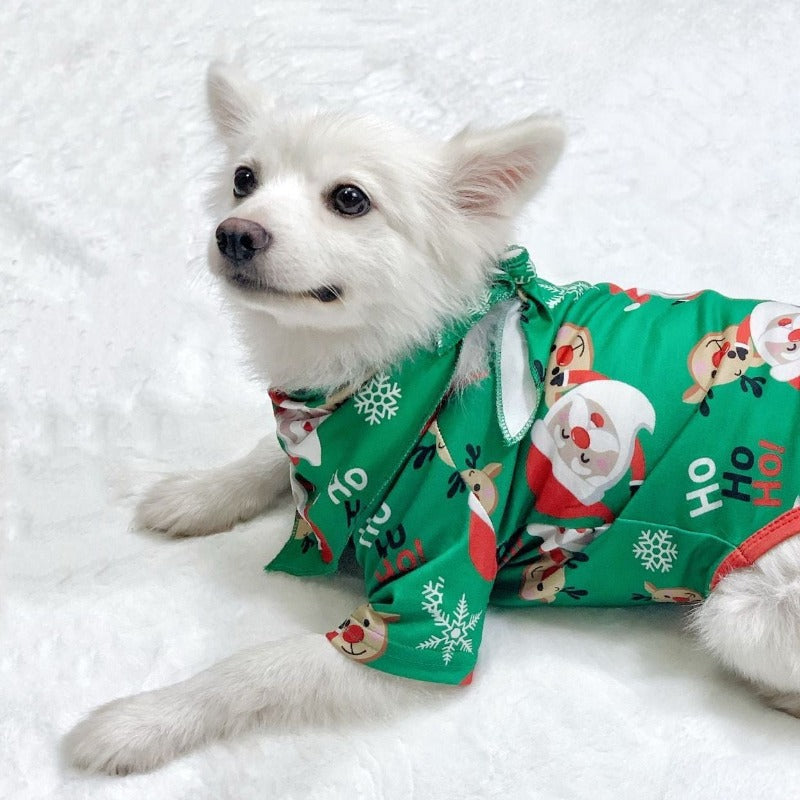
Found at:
<point>233,99</point>
<point>495,172</point>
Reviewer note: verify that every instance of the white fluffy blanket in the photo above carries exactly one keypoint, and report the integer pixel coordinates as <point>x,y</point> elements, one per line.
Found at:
<point>115,361</point>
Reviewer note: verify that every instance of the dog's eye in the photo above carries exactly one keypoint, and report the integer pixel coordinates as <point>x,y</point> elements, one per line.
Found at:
<point>366,623</point>
<point>244,181</point>
<point>350,201</point>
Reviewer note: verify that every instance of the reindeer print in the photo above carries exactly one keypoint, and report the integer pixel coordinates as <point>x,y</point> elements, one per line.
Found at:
<point>722,357</point>
<point>679,594</point>
<point>544,579</point>
<point>572,351</point>
<point>364,635</point>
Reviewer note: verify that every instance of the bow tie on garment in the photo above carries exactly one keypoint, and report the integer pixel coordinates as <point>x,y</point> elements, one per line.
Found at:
<point>513,275</point>
<point>518,387</point>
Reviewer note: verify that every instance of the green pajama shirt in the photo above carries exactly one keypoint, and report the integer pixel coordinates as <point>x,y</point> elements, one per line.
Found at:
<point>625,447</point>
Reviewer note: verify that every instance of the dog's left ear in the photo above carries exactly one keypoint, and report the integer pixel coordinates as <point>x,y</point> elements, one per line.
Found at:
<point>233,99</point>
<point>495,172</point>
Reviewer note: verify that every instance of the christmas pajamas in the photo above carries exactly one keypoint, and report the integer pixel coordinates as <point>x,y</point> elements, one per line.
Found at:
<point>626,447</point>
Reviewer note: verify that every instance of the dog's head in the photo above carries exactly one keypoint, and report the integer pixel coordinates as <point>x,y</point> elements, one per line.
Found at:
<point>349,225</point>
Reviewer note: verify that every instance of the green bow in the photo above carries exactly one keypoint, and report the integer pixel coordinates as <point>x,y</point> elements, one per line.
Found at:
<point>513,273</point>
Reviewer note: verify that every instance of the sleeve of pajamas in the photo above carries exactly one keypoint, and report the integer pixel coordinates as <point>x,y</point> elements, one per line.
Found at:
<point>427,596</point>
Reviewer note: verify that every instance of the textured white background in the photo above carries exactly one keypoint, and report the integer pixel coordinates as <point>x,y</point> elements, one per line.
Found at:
<point>682,171</point>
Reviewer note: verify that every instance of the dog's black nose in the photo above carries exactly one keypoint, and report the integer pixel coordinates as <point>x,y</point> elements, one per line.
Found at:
<point>240,239</point>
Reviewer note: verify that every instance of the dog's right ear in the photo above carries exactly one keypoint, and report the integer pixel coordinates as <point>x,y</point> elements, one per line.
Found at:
<point>495,172</point>
<point>233,99</point>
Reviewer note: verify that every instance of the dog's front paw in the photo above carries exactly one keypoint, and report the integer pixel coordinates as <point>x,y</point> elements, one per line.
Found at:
<point>183,505</point>
<point>127,735</point>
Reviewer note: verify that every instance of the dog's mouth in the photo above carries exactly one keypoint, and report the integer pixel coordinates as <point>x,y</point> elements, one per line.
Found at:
<point>323,294</point>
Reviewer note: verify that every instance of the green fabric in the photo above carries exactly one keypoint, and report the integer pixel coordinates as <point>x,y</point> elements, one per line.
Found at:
<point>623,449</point>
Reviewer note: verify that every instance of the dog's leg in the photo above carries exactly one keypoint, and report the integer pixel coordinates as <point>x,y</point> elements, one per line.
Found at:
<point>294,680</point>
<point>208,501</point>
<point>751,622</point>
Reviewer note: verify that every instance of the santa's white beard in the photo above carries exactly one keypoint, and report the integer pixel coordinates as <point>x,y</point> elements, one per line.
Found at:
<point>784,366</point>
<point>786,372</point>
<point>587,490</point>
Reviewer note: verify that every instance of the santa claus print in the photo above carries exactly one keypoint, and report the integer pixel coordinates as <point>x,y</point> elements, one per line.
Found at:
<point>297,428</point>
<point>585,445</point>
<point>558,539</point>
<point>775,329</point>
<point>297,424</point>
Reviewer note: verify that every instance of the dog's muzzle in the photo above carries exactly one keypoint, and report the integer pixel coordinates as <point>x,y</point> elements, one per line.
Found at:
<point>239,240</point>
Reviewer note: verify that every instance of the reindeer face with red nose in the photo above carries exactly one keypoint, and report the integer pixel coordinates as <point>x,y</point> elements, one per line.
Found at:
<point>675,594</point>
<point>572,350</point>
<point>542,581</point>
<point>719,358</point>
<point>363,636</point>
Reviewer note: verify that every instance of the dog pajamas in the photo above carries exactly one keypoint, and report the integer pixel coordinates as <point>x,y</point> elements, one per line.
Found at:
<point>625,447</point>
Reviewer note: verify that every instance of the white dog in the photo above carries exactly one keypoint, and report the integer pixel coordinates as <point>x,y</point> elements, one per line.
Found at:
<point>345,244</point>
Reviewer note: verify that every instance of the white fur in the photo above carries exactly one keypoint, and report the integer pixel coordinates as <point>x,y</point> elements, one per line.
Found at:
<point>279,683</point>
<point>751,623</point>
<point>441,214</point>
<point>208,501</point>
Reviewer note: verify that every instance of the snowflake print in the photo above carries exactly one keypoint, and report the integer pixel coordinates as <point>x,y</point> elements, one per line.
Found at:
<point>454,628</point>
<point>656,550</point>
<point>377,400</point>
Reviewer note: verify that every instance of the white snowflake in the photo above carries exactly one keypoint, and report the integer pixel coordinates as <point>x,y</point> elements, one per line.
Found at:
<point>453,627</point>
<point>377,400</point>
<point>656,550</point>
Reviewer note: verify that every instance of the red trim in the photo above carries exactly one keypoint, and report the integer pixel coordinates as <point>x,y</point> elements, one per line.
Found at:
<point>752,548</point>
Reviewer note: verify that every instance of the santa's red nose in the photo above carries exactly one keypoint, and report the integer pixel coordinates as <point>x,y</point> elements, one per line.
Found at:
<point>564,355</point>
<point>353,634</point>
<point>794,336</point>
<point>581,437</point>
